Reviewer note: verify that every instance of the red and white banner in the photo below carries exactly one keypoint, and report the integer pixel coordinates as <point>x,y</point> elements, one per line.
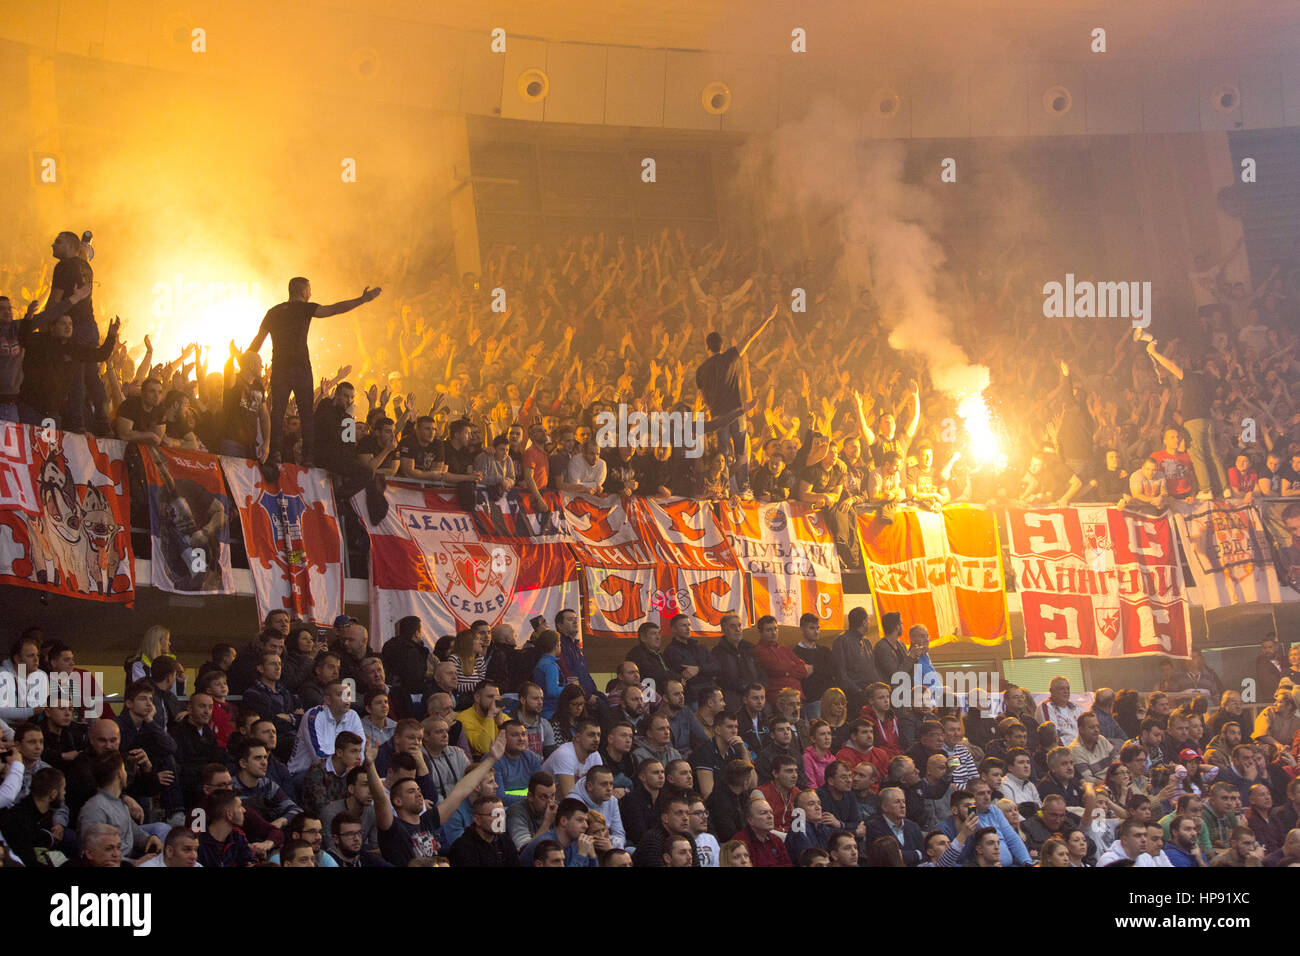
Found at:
<point>1098,582</point>
<point>64,517</point>
<point>647,560</point>
<point>1229,553</point>
<point>790,557</point>
<point>291,534</point>
<point>940,569</point>
<point>189,521</point>
<point>427,558</point>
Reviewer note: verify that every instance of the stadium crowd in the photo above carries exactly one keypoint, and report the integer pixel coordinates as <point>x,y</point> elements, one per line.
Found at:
<point>309,749</point>
<point>811,405</point>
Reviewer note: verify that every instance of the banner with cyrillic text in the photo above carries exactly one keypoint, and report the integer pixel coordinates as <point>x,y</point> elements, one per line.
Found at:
<point>428,559</point>
<point>1098,582</point>
<point>789,555</point>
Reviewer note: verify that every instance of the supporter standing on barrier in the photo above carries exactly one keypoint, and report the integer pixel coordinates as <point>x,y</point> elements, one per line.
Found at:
<point>287,325</point>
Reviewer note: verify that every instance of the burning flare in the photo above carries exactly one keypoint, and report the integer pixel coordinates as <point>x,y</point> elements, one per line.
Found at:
<point>982,439</point>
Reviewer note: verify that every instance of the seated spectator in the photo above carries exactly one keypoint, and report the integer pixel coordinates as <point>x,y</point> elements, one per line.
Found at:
<point>842,849</point>
<point>596,790</point>
<point>818,755</point>
<point>782,790</point>
<point>321,725</point>
<point>765,847</point>
<point>535,813</point>
<point>483,844</point>
<point>570,762</point>
<point>180,849</point>
<point>725,746</point>
<point>1060,777</point>
<point>196,742</point>
<point>346,845</point>
<point>892,822</point>
<point>781,742</point>
<point>517,764</point>
<point>326,780</point>
<point>101,846</point>
<point>223,843</point>
<point>1092,752</point>
<point>255,787</point>
<point>569,834</point>
<point>1242,850</point>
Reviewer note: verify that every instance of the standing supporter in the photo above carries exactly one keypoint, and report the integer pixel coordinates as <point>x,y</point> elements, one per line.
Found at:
<point>287,324</point>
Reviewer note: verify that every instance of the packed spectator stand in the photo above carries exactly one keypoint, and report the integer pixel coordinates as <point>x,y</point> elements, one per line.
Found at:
<point>308,748</point>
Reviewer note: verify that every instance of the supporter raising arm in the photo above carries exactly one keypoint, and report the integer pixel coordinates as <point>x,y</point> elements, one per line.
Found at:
<point>406,830</point>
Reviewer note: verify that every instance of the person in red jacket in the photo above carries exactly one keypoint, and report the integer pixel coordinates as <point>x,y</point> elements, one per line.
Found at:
<point>765,849</point>
<point>861,748</point>
<point>783,667</point>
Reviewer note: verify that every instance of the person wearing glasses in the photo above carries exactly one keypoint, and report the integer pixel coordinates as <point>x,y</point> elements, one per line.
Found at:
<point>705,842</point>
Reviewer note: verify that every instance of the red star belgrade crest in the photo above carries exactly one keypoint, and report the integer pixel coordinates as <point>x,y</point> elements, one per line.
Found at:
<point>1107,622</point>
<point>475,580</point>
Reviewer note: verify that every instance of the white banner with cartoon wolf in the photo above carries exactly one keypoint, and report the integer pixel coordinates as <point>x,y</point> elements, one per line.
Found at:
<point>64,517</point>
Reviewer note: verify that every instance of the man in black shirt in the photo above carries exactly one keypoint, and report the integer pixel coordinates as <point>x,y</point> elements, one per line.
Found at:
<point>421,453</point>
<point>772,481</point>
<point>378,450</point>
<point>1112,482</point>
<point>331,416</point>
<point>140,417</point>
<point>244,408</point>
<point>73,271</point>
<point>459,454</point>
<point>1197,407</point>
<point>718,379</point>
<point>52,367</point>
<point>287,325</point>
<point>1074,438</point>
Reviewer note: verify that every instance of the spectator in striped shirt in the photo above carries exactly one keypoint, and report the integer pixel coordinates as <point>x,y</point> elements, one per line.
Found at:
<point>967,769</point>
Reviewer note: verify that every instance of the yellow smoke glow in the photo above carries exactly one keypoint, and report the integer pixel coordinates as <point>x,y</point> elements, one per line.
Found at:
<point>210,304</point>
<point>983,443</point>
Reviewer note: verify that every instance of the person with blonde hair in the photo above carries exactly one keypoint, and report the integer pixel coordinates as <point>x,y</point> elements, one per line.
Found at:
<point>835,711</point>
<point>1013,815</point>
<point>156,642</point>
<point>735,853</point>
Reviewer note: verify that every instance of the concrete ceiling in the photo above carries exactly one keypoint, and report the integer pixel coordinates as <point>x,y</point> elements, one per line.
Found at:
<point>1025,30</point>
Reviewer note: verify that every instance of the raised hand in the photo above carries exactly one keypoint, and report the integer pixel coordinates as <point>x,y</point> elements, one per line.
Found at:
<point>369,295</point>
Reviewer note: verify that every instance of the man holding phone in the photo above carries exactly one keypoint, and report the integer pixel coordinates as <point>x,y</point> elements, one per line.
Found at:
<point>482,720</point>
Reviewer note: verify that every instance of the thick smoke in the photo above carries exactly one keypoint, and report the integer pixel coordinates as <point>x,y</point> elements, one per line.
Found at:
<point>206,197</point>
<point>822,171</point>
